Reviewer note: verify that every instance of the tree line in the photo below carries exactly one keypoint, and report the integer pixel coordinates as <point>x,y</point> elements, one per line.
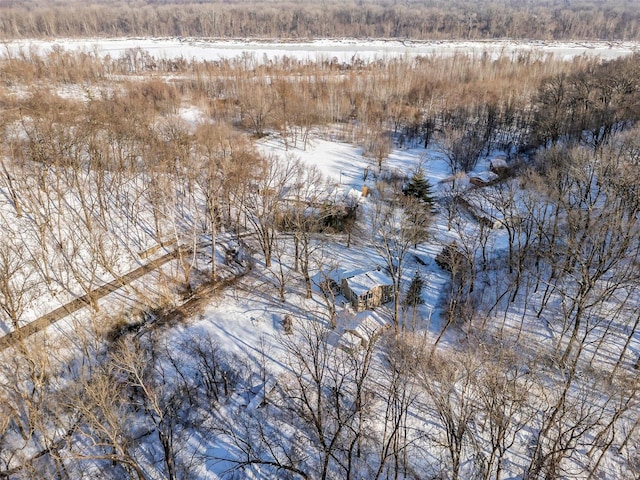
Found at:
<point>147,406</point>
<point>469,104</point>
<point>465,19</point>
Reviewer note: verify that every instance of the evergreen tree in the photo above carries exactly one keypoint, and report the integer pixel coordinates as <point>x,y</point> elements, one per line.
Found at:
<point>419,187</point>
<point>413,297</point>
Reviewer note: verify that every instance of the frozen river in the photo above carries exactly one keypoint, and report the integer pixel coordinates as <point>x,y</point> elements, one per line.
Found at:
<point>342,50</point>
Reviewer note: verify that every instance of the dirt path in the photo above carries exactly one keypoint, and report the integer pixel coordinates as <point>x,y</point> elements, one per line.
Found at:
<point>73,306</point>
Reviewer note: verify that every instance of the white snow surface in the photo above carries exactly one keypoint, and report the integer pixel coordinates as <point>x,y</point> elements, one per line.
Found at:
<point>246,320</point>
<point>340,50</point>
<point>343,165</point>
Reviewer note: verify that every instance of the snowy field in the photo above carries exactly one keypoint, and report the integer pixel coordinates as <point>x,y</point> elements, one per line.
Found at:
<point>342,50</point>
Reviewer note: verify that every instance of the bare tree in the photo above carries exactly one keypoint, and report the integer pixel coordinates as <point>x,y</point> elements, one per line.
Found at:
<point>329,392</point>
<point>451,385</point>
<point>307,211</point>
<point>282,270</point>
<point>399,395</point>
<point>257,103</point>
<point>462,148</point>
<point>328,287</point>
<point>397,228</point>
<point>105,435</point>
<point>152,393</point>
<point>378,147</point>
<point>17,283</point>
<point>271,182</point>
<point>506,406</point>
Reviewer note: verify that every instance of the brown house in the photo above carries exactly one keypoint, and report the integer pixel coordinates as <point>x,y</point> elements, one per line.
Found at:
<point>367,290</point>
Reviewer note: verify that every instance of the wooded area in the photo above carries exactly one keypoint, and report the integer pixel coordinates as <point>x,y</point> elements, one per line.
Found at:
<point>611,20</point>
<point>99,165</point>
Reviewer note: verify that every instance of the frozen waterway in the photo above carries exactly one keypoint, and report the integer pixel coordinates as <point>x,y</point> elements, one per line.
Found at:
<point>342,50</point>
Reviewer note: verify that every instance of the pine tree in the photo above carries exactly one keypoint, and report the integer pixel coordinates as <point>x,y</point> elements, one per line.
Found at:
<point>419,187</point>
<point>413,297</point>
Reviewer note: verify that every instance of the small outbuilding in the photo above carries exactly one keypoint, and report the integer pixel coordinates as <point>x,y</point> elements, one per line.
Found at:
<point>500,167</point>
<point>363,329</point>
<point>483,179</point>
<point>367,290</point>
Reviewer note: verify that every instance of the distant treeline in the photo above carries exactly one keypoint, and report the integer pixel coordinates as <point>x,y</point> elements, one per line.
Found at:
<point>435,19</point>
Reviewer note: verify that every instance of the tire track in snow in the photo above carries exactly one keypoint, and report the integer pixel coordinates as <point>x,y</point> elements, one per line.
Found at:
<point>59,313</point>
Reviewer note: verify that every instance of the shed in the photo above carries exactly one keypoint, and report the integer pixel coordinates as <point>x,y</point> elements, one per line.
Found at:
<point>483,179</point>
<point>363,329</point>
<point>500,167</point>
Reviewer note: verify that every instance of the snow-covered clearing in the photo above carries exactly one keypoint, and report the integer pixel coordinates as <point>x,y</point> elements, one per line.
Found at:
<point>249,321</point>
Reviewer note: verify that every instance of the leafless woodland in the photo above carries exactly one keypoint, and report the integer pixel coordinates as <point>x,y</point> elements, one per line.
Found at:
<point>100,172</point>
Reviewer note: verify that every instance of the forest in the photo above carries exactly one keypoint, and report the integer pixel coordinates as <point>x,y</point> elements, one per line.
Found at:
<point>179,217</point>
<point>611,20</point>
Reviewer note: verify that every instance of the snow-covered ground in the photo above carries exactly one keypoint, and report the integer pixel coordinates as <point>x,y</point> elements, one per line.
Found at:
<point>341,50</point>
<point>344,167</point>
<point>247,320</point>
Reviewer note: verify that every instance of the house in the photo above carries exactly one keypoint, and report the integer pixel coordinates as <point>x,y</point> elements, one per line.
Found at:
<point>368,289</point>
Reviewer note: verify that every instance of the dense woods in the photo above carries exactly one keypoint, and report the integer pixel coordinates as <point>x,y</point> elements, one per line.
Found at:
<point>611,20</point>
<point>100,169</point>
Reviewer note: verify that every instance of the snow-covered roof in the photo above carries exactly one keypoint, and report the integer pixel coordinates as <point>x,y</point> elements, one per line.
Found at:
<point>499,163</point>
<point>361,330</point>
<point>363,282</point>
<point>485,176</point>
<point>366,323</point>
